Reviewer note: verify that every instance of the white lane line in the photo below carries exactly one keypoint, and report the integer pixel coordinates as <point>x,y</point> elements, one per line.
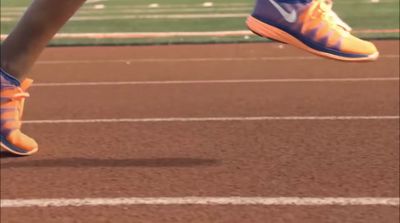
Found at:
<point>125,11</point>
<point>131,6</point>
<point>169,16</point>
<point>264,201</point>
<point>215,119</point>
<point>289,80</point>
<point>177,60</point>
<point>93,1</point>
<point>130,35</point>
<point>154,16</point>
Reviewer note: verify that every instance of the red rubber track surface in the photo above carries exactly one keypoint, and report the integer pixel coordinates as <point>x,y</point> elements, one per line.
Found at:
<point>270,158</point>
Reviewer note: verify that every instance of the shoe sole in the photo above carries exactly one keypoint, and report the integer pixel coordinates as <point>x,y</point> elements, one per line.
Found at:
<point>3,146</point>
<point>267,31</point>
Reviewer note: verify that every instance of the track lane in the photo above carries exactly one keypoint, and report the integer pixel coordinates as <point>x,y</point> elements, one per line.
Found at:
<point>298,158</point>
<point>312,67</point>
<point>214,100</point>
<point>285,158</point>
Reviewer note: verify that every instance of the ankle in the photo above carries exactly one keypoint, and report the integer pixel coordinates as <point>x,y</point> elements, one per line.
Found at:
<point>5,76</point>
<point>11,70</point>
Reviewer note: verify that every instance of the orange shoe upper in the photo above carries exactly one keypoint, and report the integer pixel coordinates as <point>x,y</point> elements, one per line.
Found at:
<point>322,24</point>
<point>12,107</point>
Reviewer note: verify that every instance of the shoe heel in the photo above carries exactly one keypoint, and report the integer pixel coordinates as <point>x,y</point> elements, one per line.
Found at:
<point>258,34</point>
<point>264,30</point>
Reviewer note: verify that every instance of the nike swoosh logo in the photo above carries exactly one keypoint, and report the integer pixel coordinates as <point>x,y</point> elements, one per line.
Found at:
<point>289,17</point>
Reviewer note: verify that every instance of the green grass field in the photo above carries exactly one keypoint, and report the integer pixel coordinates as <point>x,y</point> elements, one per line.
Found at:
<point>108,16</point>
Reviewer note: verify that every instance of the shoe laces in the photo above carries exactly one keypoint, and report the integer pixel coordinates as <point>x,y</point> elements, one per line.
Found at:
<point>13,100</point>
<point>334,16</point>
<point>323,9</point>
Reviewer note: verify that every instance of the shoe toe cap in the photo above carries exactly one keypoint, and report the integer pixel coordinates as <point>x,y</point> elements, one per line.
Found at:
<point>357,46</point>
<point>21,143</point>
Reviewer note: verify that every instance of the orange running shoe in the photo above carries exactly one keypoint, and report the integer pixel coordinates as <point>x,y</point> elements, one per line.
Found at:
<point>13,96</point>
<point>310,25</point>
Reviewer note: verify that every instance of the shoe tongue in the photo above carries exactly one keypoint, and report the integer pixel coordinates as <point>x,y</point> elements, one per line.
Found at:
<point>328,4</point>
<point>26,84</point>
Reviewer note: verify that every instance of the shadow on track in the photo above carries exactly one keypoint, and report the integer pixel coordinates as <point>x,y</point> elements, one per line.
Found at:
<point>87,162</point>
<point>5,155</point>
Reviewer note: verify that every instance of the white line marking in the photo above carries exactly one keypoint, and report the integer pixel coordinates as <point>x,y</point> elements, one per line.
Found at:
<point>175,60</point>
<point>154,16</point>
<point>199,59</point>
<point>208,119</point>
<point>125,35</point>
<point>294,80</point>
<point>132,6</point>
<point>94,1</point>
<point>129,35</point>
<point>299,80</point>
<point>159,16</point>
<point>264,201</point>
<point>127,11</point>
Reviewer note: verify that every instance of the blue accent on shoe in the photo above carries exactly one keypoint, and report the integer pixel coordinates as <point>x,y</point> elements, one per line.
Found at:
<point>9,77</point>
<point>307,41</point>
<point>12,147</point>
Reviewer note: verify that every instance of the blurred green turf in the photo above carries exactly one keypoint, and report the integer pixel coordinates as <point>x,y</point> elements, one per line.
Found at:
<point>360,14</point>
